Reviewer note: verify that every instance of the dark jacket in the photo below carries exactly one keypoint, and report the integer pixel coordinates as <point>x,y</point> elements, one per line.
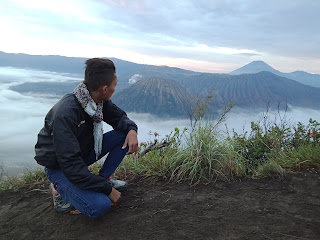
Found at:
<point>67,138</point>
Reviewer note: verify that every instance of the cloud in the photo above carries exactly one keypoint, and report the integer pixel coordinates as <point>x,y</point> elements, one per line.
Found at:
<point>232,24</point>
<point>21,75</point>
<point>248,54</point>
<point>22,117</point>
<point>217,32</point>
<point>135,78</point>
<point>240,119</point>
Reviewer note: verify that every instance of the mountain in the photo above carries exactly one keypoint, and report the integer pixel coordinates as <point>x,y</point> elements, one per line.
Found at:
<point>255,67</point>
<point>304,78</point>
<point>162,97</point>
<point>253,90</point>
<point>168,97</point>
<point>170,91</point>
<point>57,89</point>
<point>45,63</point>
<point>125,69</point>
<point>299,76</point>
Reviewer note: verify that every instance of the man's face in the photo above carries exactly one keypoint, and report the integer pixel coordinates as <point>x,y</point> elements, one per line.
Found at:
<point>109,90</point>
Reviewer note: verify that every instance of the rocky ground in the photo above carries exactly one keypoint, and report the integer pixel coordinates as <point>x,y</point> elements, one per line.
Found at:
<point>287,208</point>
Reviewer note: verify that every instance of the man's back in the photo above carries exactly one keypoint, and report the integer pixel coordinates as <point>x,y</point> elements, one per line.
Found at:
<point>68,109</point>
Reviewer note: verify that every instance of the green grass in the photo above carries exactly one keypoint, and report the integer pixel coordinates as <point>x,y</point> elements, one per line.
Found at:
<point>206,155</point>
<point>201,157</point>
<point>302,157</point>
<point>269,169</point>
<point>28,177</point>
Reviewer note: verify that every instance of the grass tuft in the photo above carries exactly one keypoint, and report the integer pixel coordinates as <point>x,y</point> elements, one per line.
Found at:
<point>269,169</point>
<point>29,177</point>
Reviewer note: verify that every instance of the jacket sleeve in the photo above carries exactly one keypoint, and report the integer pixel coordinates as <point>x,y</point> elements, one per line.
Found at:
<point>68,153</point>
<point>117,118</point>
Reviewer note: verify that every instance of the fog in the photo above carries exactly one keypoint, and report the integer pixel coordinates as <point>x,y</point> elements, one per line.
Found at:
<point>22,116</point>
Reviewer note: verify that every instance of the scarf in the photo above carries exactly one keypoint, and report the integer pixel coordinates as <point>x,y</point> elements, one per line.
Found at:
<point>94,111</point>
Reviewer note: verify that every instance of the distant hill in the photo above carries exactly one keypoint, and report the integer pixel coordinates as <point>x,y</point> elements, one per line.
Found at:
<point>304,78</point>
<point>165,90</point>
<point>63,64</point>
<point>162,97</point>
<point>167,97</point>
<point>300,76</point>
<point>125,69</point>
<point>51,88</point>
<point>255,67</point>
<point>43,62</point>
<point>254,90</point>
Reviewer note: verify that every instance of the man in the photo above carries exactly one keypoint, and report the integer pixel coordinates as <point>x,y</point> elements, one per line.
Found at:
<point>72,139</point>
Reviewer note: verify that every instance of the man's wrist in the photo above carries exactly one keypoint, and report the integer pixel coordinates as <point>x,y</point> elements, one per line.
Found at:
<point>134,129</point>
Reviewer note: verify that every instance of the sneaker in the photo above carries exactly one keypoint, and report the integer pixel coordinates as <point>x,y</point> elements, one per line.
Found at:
<point>59,204</point>
<point>118,184</point>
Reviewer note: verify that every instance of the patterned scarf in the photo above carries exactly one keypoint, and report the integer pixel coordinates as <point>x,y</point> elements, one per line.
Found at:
<point>94,111</point>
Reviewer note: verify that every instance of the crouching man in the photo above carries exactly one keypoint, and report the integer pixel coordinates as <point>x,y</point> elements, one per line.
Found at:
<point>72,139</point>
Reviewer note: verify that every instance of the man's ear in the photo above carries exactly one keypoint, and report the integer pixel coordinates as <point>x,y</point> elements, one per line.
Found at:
<point>104,88</point>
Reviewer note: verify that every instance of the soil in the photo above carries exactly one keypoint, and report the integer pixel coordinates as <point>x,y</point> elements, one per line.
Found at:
<point>269,208</point>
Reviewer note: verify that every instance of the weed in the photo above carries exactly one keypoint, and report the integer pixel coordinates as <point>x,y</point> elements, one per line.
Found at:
<point>28,177</point>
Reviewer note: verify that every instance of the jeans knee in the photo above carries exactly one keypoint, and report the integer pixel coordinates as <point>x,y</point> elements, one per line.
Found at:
<point>121,134</point>
<point>116,135</point>
<point>98,209</point>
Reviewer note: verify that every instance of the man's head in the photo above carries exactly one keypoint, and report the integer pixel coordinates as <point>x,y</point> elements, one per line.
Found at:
<point>100,78</point>
<point>99,72</point>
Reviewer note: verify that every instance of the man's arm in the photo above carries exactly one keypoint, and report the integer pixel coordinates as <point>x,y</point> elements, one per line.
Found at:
<point>117,118</point>
<point>131,141</point>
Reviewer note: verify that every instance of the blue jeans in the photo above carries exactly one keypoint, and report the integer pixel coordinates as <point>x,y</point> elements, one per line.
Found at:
<point>92,204</point>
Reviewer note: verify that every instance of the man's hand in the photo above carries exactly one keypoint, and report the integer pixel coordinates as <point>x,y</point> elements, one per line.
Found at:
<point>114,196</point>
<point>131,141</point>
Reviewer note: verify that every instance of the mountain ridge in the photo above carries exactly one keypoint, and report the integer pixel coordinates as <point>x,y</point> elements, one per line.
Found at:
<point>256,90</point>
<point>250,90</point>
<point>259,66</point>
<point>126,69</point>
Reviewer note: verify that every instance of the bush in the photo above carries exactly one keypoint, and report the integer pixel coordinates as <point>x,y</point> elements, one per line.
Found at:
<point>278,143</point>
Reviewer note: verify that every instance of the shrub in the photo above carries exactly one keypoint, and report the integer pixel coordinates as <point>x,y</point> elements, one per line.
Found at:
<point>276,143</point>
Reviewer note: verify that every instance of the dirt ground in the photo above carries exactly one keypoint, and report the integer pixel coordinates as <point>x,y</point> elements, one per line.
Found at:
<point>269,208</point>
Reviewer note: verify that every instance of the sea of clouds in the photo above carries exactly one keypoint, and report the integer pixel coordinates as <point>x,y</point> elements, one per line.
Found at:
<point>22,116</point>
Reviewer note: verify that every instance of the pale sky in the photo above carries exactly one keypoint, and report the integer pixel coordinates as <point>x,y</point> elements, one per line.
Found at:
<point>202,35</point>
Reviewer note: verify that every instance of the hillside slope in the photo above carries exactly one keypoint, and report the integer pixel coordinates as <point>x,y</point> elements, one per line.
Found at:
<point>162,97</point>
<point>254,90</point>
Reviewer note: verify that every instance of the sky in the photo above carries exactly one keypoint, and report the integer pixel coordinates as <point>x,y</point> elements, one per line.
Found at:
<point>201,35</point>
